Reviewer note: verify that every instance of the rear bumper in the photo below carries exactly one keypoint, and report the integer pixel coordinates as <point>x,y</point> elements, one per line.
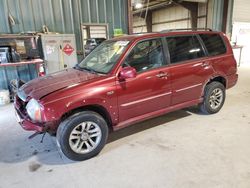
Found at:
<point>232,80</point>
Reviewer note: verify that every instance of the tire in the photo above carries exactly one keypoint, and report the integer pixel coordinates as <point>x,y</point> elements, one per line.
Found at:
<point>214,98</point>
<point>74,134</point>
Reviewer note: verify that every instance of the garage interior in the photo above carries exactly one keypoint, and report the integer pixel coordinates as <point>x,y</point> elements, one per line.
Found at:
<point>180,149</point>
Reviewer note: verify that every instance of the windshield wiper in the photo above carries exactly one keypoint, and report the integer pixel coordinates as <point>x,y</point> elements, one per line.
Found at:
<point>85,68</point>
<point>89,69</point>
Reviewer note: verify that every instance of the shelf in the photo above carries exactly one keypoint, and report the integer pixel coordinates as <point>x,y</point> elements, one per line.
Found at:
<point>33,61</point>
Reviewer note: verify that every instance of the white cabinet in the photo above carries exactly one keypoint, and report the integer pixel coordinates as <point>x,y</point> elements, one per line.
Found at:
<point>59,51</point>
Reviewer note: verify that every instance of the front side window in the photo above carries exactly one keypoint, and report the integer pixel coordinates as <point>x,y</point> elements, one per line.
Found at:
<point>183,48</point>
<point>103,58</point>
<point>146,55</point>
<point>214,44</point>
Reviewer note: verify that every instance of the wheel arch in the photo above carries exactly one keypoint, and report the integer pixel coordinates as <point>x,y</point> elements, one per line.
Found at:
<point>102,111</point>
<point>218,78</point>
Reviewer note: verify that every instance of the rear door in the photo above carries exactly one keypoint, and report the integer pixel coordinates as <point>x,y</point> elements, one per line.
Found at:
<point>189,68</point>
<point>221,57</point>
<point>150,90</point>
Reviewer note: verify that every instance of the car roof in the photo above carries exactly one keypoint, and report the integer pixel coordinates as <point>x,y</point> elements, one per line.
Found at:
<point>139,36</point>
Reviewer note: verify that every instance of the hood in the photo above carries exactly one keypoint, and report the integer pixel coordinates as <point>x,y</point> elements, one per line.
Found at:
<point>40,87</point>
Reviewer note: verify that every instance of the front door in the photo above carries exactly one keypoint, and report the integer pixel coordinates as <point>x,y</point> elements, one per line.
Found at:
<point>150,90</point>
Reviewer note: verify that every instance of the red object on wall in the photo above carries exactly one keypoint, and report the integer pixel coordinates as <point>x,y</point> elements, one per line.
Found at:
<point>68,49</point>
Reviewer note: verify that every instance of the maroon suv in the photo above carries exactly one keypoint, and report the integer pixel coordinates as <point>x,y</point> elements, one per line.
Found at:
<point>126,80</point>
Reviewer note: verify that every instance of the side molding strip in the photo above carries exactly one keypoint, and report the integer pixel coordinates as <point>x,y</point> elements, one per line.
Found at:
<point>190,87</point>
<point>146,99</point>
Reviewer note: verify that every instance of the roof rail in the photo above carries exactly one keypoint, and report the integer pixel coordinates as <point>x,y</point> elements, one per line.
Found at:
<point>186,29</point>
<point>141,33</point>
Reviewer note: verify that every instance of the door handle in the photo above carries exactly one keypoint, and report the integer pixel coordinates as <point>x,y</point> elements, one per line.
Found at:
<point>162,75</point>
<point>205,64</point>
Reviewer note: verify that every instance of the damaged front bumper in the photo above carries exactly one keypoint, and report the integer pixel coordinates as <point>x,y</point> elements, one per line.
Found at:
<point>28,125</point>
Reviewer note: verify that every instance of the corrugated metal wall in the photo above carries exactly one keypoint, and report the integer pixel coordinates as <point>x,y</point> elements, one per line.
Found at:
<point>171,18</point>
<point>217,14</point>
<point>139,24</point>
<point>202,13</point>
<point>64,16</point>
<point>166,18</point>
<point>230,17</point>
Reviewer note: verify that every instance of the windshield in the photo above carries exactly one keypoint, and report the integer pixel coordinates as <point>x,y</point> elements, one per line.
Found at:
<point>104,57</point>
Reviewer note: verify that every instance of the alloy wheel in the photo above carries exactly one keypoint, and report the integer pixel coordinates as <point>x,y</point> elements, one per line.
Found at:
<point>216,98</point>
<point>85,137</point>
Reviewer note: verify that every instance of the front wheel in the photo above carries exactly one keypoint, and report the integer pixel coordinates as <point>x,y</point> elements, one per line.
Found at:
<point>214,97</point>
<point>82,135</point>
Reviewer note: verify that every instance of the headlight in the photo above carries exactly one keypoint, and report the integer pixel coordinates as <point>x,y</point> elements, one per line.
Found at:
<point>34,110</point>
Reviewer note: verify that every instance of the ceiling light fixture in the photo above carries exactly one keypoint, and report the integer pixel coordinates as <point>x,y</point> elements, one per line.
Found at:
<point>138,5</point>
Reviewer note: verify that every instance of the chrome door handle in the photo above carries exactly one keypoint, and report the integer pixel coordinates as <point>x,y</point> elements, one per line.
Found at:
<point>162,75</point>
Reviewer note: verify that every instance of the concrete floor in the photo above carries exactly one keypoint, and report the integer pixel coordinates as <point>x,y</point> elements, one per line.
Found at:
<point>180,149</point>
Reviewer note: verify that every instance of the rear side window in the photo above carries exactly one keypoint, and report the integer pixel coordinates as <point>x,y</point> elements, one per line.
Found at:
<point>183,48</point>
<point>214,44</point>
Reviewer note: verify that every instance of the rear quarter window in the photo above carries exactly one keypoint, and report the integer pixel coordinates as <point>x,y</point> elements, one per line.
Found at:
<point>214,44</point>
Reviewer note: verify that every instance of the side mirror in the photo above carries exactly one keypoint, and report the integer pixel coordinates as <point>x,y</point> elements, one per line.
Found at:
<point>127,72</point>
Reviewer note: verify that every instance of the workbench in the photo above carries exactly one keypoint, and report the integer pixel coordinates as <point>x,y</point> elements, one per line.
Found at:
<point>240,48</point>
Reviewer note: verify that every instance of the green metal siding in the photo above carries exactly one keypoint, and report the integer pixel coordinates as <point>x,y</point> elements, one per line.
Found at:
<point>217,14</point>
<point>64,16</point>
<point>229,17</point>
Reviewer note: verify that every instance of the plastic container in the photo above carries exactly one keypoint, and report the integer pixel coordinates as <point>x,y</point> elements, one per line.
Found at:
<point>4,97</point>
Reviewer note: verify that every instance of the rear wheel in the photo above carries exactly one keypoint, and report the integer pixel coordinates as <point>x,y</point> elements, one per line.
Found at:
<point>214,97</point>
<point>82,135</point>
